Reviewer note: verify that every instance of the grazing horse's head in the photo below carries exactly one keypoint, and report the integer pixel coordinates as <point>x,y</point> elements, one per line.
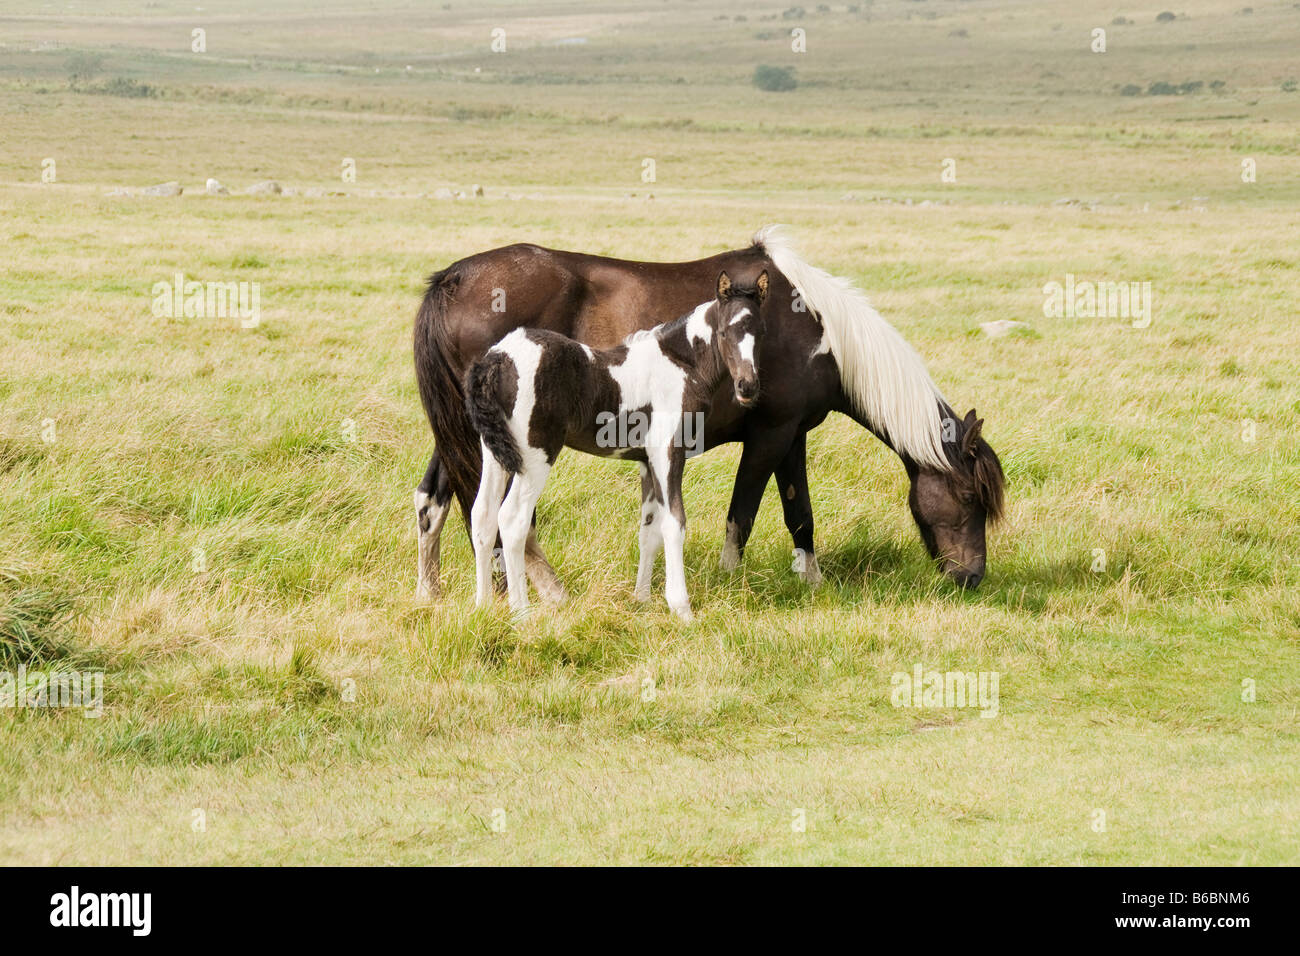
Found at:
<point>737,318</point>
<point>952,508</point>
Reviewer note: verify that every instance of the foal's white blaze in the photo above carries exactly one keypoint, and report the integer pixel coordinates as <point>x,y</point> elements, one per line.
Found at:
<point>746,348</point>
<point>740,316</point>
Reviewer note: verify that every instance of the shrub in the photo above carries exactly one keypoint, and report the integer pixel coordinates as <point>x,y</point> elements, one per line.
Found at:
<point>83,66</point>
<point>1165,17</point>
<point>774,79</point>
<point>1161,88</point>
<point>125,86</point>
<point>1132,89</point>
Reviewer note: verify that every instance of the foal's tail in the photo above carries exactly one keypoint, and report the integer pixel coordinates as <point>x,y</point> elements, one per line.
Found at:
<point>441,391</point>
<point>487,411</point>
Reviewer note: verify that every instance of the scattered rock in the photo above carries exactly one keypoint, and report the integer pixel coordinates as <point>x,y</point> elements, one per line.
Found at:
<point>215,188</point>
<point>629,681</point>
<point>999,328</point>
<point>161,189</point>
<point>267,188</point>
<point>476,190</point>
<point>442,192</point>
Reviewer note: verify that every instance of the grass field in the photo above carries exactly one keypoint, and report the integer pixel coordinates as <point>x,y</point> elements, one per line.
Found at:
<point>218,518</point>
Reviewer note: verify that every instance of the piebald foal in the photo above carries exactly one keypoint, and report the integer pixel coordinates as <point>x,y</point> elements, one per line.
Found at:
<point>535,392</point>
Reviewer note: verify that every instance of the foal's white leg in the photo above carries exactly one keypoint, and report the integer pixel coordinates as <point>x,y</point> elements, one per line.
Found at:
<point>516,522</point>
<point>674,537</point>
<point>483,524</point>
<point>651,538</point>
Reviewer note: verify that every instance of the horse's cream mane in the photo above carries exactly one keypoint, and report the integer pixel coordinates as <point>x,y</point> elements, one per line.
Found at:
<point>881,373</point>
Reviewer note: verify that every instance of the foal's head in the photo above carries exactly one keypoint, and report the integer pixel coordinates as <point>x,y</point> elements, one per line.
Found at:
<point>737,319</point>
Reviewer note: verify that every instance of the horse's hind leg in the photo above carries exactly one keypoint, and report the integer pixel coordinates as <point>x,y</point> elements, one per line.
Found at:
<point>484,519</point>
<point>432,504</point>
<point>540,571</point>
<point>792,482</point>
<point>516,522</point>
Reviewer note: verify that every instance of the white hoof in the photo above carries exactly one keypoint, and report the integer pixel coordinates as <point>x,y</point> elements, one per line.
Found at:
<point>805,565</point>
<point>684,612</point>
<point>553,594</point>
<point>730,559</point>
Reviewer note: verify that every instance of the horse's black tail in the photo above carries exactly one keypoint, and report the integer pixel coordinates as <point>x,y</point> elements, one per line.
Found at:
<point>488,414</point>
<point>441,391</point>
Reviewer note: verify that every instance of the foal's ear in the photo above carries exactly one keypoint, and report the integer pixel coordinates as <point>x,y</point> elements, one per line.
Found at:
<point>762,286</point>
<point>724,284</point>
<point>970,440</point>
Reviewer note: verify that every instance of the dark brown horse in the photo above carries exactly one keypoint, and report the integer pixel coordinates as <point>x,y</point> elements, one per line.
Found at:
<point>826,349</point>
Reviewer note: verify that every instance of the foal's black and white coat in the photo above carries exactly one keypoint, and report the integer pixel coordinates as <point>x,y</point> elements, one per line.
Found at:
<point>535,392</point>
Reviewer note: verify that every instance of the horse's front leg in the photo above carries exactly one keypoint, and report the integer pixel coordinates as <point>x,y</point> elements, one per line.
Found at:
<point>667,468</point>
<point>764,448</point>
<point>650,535</point>
<point>432,505</point>
<point>792,482</point>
